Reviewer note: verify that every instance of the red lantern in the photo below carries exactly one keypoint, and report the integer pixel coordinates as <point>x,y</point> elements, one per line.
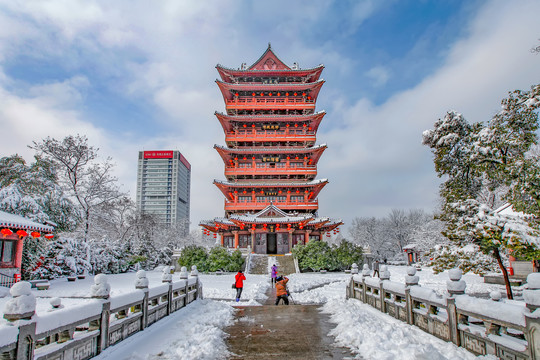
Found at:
<point>304,125</point>
<point>269,94</point>
<point>262,192</point>
<point>296,158</point>
<point>235,191</point>
<point>236,159</point>
<point>49,236</point>
<point>253,158</point>
<point>252,94</point>
<point>286,94</point>
<point>244,191</point>
<point>245,158</point>
<point>295,125</point>
<point>278,94</point>
<point>245,125</point>
<point>6,232</point>
<point>22,233</point>
<point>288,191</point>
<point>253,125</point>
<point>236,94</point>
<point>279,192</point>
<point>309,128</point>
<point>35,234</point>
<point>288,158</point>
<point>262,94</point>
<point>303,94</point>
<point>287,125</point>
<point>295,94</point>
<point>298,191</point>
<point>309,97</point>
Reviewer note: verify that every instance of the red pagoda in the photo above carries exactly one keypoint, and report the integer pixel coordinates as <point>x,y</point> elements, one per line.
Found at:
<point>270,157</point>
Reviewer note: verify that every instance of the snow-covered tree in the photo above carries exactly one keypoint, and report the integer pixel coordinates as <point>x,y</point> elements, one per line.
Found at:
<point>88,181</point>
<point>478,159</point>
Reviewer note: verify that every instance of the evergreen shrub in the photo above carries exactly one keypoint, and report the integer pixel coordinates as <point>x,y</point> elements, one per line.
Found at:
<point>218,258</point>
<point>318,255</point>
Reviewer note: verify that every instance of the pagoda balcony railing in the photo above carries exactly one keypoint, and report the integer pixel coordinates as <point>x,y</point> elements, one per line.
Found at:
<point>259,205</point>
<point>269,170</point>
<point>276,135</point>
<point>270,103</point>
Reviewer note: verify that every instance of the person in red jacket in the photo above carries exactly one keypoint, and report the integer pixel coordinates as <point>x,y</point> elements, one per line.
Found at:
<point>281,289</point>
<point>239,282</point>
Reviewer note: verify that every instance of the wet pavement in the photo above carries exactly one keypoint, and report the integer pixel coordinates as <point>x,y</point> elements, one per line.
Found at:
<point>282,332</point>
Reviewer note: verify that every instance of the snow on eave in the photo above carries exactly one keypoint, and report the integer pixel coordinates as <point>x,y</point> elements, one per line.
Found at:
<point>18,222</point>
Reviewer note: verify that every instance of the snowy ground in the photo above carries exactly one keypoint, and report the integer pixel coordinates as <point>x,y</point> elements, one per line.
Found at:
<point>196,332</point>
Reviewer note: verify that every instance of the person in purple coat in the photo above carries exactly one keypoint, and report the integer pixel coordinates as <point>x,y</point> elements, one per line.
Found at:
<point>274,274</point>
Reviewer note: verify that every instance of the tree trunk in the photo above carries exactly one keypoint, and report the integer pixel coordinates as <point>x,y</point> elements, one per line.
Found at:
<point>497,256</point>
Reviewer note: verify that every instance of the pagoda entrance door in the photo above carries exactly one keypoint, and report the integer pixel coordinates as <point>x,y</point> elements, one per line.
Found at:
<point>271,243</point>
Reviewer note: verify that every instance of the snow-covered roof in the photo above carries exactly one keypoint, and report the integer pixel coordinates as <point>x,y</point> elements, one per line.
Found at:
<point>266,117</point>
<point>410,246</point>
<point>12,221</point>
<point>276,149</point>
<point>290,183</point>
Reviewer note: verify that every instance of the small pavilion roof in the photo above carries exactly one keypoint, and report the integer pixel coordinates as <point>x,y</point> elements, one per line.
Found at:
<point>228,88</point>
<point>314,119</point>
<point>13,221</point>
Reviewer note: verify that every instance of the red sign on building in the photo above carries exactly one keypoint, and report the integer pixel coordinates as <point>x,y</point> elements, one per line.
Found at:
<point>158,154</point>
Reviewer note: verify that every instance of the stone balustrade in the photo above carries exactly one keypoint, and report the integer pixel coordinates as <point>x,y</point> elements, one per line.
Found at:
<point>508,330</point>
<point>85,330</point>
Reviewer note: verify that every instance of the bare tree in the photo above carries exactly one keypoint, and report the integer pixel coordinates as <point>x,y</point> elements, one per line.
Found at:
<point>89,182</point>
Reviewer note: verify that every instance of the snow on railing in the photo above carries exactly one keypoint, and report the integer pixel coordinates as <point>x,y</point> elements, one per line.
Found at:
<point>507,329</point>
<point>97,322</point>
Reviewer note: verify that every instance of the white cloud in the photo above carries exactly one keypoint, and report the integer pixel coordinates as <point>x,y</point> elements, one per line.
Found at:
<point>165,54</point>
<point>379,75</point>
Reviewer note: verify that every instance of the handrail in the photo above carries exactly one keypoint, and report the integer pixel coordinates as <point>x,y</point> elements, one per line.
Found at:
<point>7,280</point>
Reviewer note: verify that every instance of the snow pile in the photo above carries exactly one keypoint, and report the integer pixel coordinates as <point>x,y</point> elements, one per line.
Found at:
<point>167,276</point>
<point>374,335</point>
<point>194,332</point>
<point>512,313</point>
<point>23,301</point>
<point>54,319</point>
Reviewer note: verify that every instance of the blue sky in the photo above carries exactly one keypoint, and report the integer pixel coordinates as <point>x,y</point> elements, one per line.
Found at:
<point>135,75</point>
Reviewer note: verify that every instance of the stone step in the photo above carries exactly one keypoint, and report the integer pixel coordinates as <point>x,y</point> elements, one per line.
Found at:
<point>285,264</point>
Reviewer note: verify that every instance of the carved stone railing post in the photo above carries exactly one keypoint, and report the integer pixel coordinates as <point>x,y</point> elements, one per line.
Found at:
<point>101,288</point>
<point>531,295</point>
<point>141,282</point>
<point>385,275</point>
<point>455,286</point>
<point>103,340</point>
<point>23,304</point>
<point>195,273</point>
<point>184,276</point>
<point>166,276</point>
<point>354,269</point>
<point>410,280</point>
<point>26,341</point>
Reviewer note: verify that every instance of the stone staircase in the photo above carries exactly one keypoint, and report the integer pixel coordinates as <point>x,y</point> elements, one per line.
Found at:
<point>259,264</point>
<point>285,264</point>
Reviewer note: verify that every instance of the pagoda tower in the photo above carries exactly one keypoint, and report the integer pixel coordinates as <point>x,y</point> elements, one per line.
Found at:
<point>270,157</point>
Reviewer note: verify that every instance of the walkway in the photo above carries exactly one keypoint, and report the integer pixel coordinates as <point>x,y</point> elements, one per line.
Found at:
<point>282,332</point>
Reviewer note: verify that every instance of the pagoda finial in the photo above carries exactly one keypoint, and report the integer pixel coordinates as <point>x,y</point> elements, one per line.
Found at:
<point>269,45</point>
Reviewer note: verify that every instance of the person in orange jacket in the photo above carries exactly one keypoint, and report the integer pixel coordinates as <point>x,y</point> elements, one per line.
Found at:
<point>281,290</point>
<point>239,282</point>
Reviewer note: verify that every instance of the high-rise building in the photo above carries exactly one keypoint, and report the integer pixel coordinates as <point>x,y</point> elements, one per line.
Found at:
<point>163,186</point>
<point>270,157</point>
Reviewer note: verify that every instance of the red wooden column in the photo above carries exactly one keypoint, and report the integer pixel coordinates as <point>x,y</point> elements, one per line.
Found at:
<point>306,237</point>
<point>235,239</point>
<point>19,253</point>
<point>221,239</point>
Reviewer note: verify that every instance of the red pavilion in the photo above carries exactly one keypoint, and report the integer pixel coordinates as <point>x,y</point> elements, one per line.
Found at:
<point>270,157</point>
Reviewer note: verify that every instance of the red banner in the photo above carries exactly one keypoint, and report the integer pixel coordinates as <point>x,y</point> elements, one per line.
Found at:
<point>158,154</point>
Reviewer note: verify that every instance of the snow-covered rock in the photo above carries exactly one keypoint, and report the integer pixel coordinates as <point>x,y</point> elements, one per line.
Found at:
<point>354,269</point>
<point>194,271</point>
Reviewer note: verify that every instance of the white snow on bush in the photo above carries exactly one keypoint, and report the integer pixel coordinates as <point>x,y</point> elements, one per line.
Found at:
<point>194,332</point>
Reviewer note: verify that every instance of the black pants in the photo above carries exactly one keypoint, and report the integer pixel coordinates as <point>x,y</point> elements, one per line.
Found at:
<point>285,299</point>
<point>239,292</point>
<point>376,272</point>
<point>273,281</point>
